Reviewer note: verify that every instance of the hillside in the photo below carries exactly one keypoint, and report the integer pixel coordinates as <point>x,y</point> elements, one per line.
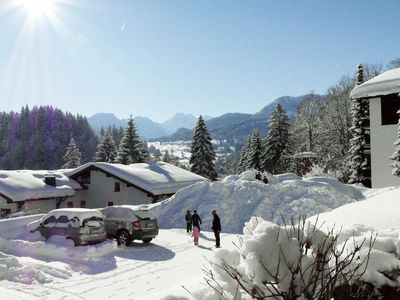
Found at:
<point>237,126</point>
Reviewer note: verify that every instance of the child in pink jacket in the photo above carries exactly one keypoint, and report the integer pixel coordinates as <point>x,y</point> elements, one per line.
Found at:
<point>196,235</point>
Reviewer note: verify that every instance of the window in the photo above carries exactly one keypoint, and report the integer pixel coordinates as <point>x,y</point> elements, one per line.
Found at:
<point>117,187</point>
<point>70,204</point>
<point>52,219</point>
<point>110,204</point>
<point>83,203</point>
<point>4,212</point>
<point>390,104</point>
<point>84,178</point>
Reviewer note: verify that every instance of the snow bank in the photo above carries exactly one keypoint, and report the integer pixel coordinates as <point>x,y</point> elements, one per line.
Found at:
<point>378,214</point>
<point>12,269</point>
<point>17,227</point>
<point>239,197</point>
<point>16,241</point>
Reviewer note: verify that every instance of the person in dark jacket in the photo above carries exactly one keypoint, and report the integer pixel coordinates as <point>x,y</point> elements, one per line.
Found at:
<point>196,221</point>
<point>216,227</point>
<point>188,219</point>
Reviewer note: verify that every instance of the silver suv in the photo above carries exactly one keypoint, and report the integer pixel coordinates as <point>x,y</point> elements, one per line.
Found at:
<point>81,225</point>
<point>127,223</point>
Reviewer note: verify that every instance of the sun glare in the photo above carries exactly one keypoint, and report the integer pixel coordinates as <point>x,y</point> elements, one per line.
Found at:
<point>37,8</point>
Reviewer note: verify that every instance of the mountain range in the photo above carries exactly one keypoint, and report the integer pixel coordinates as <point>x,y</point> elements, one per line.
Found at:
<point>147,128</point>
<point>229,126</point>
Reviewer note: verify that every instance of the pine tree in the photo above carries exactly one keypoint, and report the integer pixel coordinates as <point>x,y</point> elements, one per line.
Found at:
<point>202,160</point>
<point>72,157</point>
<point>277,140</point>
<point>396,154</point>
<point>106,150</point>
<point>360,157</point>
<point>255,151</point>
<point>244,154</point>
<point>129,149</point>
<point>144,151</point>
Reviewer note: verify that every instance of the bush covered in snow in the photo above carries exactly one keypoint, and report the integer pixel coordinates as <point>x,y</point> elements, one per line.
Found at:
<point>287,262</point>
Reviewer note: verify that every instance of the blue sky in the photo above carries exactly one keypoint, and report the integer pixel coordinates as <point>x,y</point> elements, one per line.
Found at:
<point>156,58</point>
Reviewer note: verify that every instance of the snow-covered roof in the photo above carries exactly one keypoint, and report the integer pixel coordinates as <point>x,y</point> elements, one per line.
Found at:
<point>384,84</point>
<point>158,178</point>
<point>23,185</point>
<point>306,155</point>
<point>80,213</point>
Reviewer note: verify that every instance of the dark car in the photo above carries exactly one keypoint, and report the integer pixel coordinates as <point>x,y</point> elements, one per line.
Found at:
<point>127,223</point>
<point>81,225</point>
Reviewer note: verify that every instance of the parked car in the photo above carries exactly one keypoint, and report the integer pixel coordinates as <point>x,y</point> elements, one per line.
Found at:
<point>81,225</point>
<point>127,223</point>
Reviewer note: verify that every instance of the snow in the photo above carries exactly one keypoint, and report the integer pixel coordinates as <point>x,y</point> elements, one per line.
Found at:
<point>155,177</point>
<point>384,84</point>
<point>126,212</point>
<point>378,214</point>
<point>23,185</point>
<point>80,213</point>
<point>171,266</point>
<point>239,197</point>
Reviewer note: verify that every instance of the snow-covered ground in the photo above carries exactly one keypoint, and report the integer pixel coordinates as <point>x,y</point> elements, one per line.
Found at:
<point>31,268</point>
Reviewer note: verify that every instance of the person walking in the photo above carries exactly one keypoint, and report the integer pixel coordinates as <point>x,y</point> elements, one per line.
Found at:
<point>188,219</point>
<point>216,227</point>
<point>196,221</point>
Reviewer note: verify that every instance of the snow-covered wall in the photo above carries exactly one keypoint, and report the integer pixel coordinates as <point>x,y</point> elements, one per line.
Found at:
<point>382,148</point>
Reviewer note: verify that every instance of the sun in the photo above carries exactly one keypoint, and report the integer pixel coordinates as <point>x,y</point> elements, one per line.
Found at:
<point>37,8</point>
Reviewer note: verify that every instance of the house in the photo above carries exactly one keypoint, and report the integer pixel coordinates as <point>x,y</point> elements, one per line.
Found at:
<point>34,191</point>
<point>384,102</point>
<point>106,184</point>
<point>91,185</point>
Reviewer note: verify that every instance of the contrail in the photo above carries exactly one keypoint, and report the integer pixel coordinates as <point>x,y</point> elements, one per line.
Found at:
<point>123,27</point>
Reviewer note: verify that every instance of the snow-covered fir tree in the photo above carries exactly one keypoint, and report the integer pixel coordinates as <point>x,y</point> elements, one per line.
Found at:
<point>244,154</point>
<point>359,157</point>
<point>274,158</point>
<point>255,151</point>
<point>130,147</point>
<point>144,151</point>
<point>106,150</point>
<point>72,157</point>
<point>396,155</point>
<point>202,160</point>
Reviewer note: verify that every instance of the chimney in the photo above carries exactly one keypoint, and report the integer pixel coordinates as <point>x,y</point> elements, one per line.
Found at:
<point>50,180</point>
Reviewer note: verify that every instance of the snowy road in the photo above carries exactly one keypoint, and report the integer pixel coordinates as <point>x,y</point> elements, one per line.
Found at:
<point>136,272</point>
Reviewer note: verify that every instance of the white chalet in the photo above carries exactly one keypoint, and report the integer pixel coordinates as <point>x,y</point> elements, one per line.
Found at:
<point>106,184</point>
<point>35,191</point>
<point>384,102</point>
<point>91,185</point>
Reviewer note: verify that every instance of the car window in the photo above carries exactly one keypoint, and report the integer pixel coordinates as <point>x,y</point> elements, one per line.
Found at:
<point>93,222</point>
<point>49,221</point>
<point>144,214</point>
<point>62,221</point>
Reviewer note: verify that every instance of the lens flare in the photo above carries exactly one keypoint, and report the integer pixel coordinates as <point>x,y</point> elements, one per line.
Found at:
<point>37,8</point>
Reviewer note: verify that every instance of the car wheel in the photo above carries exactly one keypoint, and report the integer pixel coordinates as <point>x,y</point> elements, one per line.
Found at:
<point>146,241</point>
<point>123,238</point>
<point>73,241</point>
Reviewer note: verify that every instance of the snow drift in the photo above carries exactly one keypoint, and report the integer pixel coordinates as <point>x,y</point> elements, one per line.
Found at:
<point>239,197</point>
